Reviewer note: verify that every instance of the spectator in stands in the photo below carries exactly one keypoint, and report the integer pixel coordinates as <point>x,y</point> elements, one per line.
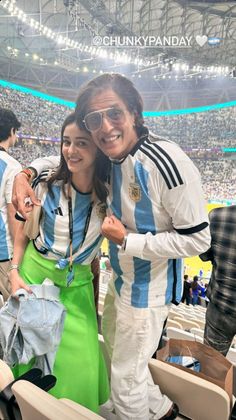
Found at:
<point>105,262</point>
<point>201,135</point>
<point>196,290</point>
<point>187,293</point>
<point>157,196</point>
<point>220,325</point>
<point>9,124</point>
<point>203,289</point>
<point>73,208</point>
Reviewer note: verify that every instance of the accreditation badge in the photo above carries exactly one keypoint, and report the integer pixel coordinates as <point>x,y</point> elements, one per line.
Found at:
<point>135,192</point>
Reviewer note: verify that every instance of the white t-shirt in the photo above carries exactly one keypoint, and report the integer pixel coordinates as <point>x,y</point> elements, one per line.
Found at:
<point>9,167</point>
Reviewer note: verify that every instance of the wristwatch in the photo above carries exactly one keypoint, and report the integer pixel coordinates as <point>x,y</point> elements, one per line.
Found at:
<point>124,242</point>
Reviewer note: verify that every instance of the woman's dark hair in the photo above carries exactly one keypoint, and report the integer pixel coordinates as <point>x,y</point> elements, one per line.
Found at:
<point>101,170</point>
<point>123,87</point>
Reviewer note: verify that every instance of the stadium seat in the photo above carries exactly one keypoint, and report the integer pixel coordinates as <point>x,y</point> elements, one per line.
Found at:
<point>231,356</point>
<point>234,342</point>
<point>173,332</point>
<point>192,317</point>
<point>197,331</point>
<point>201,323</point>
<point>6,375</point>
<point>36,404</point>
<point>9,409</point>
<point>197,398</point>
<point>172,314</point>
<point>173,323</point>
<point>187,324</point>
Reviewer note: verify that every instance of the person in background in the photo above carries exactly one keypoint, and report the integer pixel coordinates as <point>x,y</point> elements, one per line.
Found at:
<point>220,327</point>
<point>196,290</point>
<point>9,167</point>
<point>105,262</point>
<point>73,208</point>
<point>157,217</point>
<point>203,290</point>
<point>187,293</point>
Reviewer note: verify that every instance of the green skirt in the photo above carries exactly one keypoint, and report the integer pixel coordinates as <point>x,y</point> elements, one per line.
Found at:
<point>79,365</point>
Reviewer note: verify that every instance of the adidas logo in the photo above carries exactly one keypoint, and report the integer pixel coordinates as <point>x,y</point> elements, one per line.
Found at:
<point>57,211</point>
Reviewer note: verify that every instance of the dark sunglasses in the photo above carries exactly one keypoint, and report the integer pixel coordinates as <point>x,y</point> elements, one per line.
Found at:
<point>93,120</point>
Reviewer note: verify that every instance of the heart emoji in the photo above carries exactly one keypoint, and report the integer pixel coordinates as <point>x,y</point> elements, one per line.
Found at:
<point>201,40</point>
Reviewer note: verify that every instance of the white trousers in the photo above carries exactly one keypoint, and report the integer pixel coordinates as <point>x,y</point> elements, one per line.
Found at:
<point>132,336</point>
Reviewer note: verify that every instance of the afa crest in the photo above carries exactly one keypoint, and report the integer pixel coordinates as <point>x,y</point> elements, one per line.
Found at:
<point>135,192</point>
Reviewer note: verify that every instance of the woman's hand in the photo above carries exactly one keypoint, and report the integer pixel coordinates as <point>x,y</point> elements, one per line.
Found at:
<point>17,282</point>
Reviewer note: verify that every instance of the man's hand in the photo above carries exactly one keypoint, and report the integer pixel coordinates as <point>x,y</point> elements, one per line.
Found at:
<point>113,230</point>
<point>23,196</point>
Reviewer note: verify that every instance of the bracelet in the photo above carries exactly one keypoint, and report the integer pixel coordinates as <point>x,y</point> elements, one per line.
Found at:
<point>30,173</point>
<point>14,267</point>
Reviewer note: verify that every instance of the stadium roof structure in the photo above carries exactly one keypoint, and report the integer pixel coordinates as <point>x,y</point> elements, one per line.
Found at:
<point>55,45</point>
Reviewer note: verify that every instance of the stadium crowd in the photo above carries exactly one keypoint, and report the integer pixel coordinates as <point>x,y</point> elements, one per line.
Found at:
<point>177,203</point>
<point>39,118</point>
<point>201,135</point>
<point>216,128</point>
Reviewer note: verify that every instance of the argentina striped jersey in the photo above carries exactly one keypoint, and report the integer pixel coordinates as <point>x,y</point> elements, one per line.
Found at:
<point>53,240</point>
<point>156,193</point>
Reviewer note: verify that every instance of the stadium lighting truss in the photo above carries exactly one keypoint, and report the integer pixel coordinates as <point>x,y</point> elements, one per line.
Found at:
<point>93,51</point>
<point>166,68</point>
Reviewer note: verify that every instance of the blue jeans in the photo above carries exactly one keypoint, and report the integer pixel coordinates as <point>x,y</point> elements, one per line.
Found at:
<point>195,299</point>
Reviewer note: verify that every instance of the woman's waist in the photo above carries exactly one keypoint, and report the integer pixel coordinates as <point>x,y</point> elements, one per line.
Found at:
<point>61,258</point>
<point>60,274</point>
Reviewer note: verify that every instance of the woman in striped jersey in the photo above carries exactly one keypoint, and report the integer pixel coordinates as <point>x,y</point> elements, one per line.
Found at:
<point>73,208</point>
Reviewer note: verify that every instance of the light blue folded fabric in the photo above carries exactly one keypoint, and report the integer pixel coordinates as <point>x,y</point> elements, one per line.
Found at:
<point>31,326</point>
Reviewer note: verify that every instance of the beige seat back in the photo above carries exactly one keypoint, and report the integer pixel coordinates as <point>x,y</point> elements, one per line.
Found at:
<point>172,314</point>
<point>197,331</point>
<point>187,324</point>
<point>173,332</point>
<point>173,323</point>
<point>231,356</point>
<point>36,404</point>
<point>88,414</point>
<point>197,398</point>
<point>6,375</point>
<point>201,323</point>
